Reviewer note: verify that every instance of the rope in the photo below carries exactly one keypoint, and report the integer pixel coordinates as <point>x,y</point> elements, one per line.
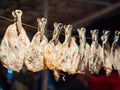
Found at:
<point>30,26</point>
<point>11,20</point>
<point>7,19</point>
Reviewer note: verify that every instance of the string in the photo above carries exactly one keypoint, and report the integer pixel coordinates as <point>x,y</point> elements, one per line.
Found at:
<point>11,20</point>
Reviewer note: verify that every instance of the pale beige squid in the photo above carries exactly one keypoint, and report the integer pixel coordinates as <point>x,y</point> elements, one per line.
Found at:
<point>14,44</point>
<point>115,52</point>
<point>67,59</point>
<point>34,56</point>
<point>95,58</point>
<point>51,48</point>
<point>84,52</point>
<point>106,52</point>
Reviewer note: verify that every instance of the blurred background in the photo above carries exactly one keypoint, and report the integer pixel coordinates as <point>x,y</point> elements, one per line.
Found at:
<point>91,14</point>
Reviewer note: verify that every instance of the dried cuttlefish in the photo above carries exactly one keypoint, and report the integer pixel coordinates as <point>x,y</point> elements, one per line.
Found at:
<point>105,53</point>
<point>115,52</point>
<point>34,56</point>
<point>67,56</point>
<point>84,52</point>
<point>51,48</point>
<point>14,44</point>
<point>95,58</point>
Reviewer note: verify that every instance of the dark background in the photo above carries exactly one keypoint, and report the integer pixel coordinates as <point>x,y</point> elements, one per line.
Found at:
<point>91,14</point>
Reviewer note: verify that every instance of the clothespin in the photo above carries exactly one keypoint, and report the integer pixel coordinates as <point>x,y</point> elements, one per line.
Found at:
<point>68,30</point>
<point>94,34</point>
<point>105,36</point>
<point>57,29</point>
<point>117,35</point>
<point>82,36</point>
<point>41,26</point>
<point>17,17</point>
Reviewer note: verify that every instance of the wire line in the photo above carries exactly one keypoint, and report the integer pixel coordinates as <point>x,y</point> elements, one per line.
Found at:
<point>11,20</point>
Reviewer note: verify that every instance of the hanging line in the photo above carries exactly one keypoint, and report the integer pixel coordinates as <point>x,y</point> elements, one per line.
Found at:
<point>11,20</point>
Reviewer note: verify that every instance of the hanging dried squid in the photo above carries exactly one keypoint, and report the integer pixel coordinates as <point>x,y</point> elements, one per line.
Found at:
<point>84,52</point>
<point>14,44</point>
<point>34,56</point>
<point>105,53</point>
<point>115,52</point>
<point>51,48</point>
<point>67,59</point>
<point>95,58</point>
